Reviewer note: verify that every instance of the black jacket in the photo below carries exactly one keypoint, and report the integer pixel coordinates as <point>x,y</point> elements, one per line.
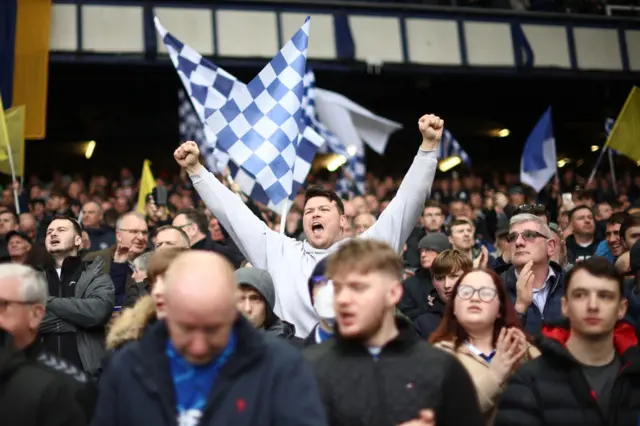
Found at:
<point>414,300</point>
<point>576,253</point>
<point>265,382</point>
<point>32,395</point>
<point>552,390</point>
<point>83,387</point>
<point>407,376</point>
<point>427,323</point>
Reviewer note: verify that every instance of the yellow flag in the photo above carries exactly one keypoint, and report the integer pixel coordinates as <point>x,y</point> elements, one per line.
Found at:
<point>147,183</point>
<point>625,135</point>
<point>12,122</point>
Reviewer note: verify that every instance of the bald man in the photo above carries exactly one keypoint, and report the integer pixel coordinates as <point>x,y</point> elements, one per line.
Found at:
<point>362,222</point>
<point>205,364</point>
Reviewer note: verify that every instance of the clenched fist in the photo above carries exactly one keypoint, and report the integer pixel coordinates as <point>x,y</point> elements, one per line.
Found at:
<point>187,156</point>
<point>431,127</point>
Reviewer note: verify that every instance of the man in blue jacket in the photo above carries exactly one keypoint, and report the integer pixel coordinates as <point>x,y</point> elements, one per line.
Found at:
<point>205,364</point>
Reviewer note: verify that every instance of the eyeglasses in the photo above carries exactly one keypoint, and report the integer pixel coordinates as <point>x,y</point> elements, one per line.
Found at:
<point>532,208</point>
<point>142,232</point>
<point>485,294</point>
<point>527,235</point>
<point>4,303</point>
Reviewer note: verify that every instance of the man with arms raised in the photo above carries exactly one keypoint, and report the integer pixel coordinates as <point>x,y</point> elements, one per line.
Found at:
<point>204,364</point>
<point>377,370</point>
<point>291,262</point>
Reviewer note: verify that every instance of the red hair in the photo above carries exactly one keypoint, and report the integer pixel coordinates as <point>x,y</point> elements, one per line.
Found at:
<point>450,330</point>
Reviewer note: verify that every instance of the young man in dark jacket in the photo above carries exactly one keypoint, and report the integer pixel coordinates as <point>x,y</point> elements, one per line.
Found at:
<point>205,364</point>
<point>589,370</point>
<point>446,269</point>
<point>377,371</point>
<point>31,395</point>
<point>417,288</point>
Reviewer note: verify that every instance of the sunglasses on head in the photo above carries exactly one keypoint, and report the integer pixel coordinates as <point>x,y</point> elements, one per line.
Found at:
<point>532,208</point>
<point>527,235</point>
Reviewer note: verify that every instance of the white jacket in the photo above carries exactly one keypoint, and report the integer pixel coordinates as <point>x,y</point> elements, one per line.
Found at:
<point>291,262</point>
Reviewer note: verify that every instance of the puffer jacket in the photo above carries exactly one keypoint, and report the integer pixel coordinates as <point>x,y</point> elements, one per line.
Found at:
<point>552,390</point>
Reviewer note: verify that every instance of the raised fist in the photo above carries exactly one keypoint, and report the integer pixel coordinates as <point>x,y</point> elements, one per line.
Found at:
<point>187,156</point>
<point>431,127</point>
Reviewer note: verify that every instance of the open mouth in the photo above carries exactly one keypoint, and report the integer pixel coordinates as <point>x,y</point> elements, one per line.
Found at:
<point>347,318</point>
<point>317,228</point>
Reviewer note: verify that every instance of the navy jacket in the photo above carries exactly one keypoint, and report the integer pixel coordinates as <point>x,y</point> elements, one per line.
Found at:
<point>265,383</point>
<point>533,319</point>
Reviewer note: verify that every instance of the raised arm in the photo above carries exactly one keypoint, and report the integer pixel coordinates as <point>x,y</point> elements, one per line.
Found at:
<point>399,218</point>
<point>246,229</point>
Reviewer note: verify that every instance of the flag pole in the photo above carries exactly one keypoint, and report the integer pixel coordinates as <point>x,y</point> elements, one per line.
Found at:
<point>613,172</point>
<point>595,168</point>
<point>13,179</point>
<point>283,216</point>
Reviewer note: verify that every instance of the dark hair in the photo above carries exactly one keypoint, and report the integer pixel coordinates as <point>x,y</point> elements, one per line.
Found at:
<point>77,228</point>
<point>318,191</point>
<point>433,204</point>
<point>450,330</point>
<point>629,222</point>
<point>457,222</point>
<point>598,267</point>
<point>196,216</point>
<point>617,218</point>
<point>16,218</point>
<point>578,208</point>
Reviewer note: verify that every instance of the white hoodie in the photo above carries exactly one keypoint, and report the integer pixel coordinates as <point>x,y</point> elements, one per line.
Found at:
<point>291,262</point>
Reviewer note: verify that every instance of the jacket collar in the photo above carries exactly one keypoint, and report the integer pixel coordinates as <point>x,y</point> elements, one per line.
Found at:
<point>406,338</point>
<point>555,337</point>
<point>153,365</point>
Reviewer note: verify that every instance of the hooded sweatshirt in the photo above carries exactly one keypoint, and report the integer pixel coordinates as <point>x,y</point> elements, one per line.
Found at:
<point>291,262</point>
<point>260,281</point>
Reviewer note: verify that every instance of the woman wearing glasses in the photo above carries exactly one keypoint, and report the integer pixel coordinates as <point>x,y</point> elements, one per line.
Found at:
<point>481,328</point>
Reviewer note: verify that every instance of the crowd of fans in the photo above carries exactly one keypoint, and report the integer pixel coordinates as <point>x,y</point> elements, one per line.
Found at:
<point>529,301</point>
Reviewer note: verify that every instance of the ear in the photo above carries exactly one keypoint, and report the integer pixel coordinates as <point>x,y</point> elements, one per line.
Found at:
<point>35,316</point>
<point>395,292</point>
<point>451,240</point>
<point>563,306</point>
<point>343,221</point>
<point>77,240</point>
<point>551,247</point>
<point>622,309</point>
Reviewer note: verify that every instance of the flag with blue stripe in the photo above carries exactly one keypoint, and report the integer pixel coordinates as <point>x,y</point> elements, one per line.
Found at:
<point>209,88</point>
<point>261,124</point>
<point>539,161</point>
<point>450,147</point>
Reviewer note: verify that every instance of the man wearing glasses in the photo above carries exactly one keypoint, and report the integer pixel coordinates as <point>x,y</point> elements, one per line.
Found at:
<point>132,239</point>
<point>535,284</point>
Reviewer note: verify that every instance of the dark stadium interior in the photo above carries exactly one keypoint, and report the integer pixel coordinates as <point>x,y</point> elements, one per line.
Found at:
<point>131,112</point>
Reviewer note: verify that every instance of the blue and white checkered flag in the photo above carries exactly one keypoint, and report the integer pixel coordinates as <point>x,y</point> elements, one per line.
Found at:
<point>209,88</point>
<point>261,124</point>
<point>353,177</point>
<point>190,126</point>
<point>449,147</point>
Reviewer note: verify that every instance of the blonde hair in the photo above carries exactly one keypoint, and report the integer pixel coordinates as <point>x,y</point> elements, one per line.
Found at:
<point>365,256</point>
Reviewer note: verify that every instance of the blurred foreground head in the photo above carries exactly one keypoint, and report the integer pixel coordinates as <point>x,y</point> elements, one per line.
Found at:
<point>200,304</point>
